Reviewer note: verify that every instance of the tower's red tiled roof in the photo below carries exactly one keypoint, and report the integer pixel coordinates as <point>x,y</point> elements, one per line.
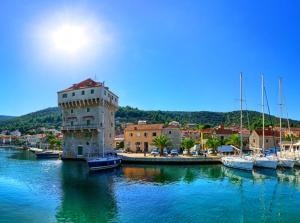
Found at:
<point>88,83</point>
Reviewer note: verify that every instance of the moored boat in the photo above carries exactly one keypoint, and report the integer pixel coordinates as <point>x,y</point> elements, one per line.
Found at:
<point>237,162</point>
<point>265,162</point>
<point>47,155</point>
<point>103,163</point>
<point>286,162</point>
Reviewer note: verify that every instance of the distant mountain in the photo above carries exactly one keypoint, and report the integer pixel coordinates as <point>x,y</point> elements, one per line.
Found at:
<point>51,118</point>
<point>5,117</point>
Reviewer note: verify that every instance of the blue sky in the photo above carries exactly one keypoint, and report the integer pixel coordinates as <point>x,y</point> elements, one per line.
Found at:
<point>166,55</point>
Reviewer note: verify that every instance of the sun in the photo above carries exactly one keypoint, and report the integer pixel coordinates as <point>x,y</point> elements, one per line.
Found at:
<point>70,38</point>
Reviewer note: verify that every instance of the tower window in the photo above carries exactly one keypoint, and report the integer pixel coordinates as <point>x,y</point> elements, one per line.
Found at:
<point>92,91</point>
<point>73,94</point>
<point>88,122</point>
<point>65,95</point>
<point>87,143</point>
<point>72,123</point>
<point>82,92</point>
<point>72,111</point>
<point>88,109</point>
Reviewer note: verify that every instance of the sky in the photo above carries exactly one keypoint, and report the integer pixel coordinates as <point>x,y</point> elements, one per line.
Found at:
<point>155,55</point>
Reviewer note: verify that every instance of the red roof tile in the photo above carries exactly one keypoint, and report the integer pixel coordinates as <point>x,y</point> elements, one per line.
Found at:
<point>88,83</point>
<point>144,127</point>
<point>268,132</point>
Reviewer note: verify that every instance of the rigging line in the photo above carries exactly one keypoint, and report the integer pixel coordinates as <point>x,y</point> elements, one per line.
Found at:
<point>288,120</point>
<point>270,119</point>
<point>247,112</point>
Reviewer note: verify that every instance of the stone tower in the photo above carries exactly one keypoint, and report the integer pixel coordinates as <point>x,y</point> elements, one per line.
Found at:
<point>88,119</point>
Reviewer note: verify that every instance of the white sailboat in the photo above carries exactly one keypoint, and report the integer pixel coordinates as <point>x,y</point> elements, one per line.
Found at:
<point>283,161</point>
<point>261,160</point>
<point>239,162</point>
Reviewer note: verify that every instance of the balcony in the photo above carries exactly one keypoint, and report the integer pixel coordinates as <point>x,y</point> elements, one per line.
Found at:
<point>81,127</point>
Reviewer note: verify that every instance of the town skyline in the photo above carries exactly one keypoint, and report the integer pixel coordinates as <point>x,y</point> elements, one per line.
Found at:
<point>175,57</point>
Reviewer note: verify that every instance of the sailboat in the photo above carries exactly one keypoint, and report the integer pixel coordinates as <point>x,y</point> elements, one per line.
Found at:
<point>106,161</point>
<point>239,162</point>
<point>263,161</point>
<point>282,161</point>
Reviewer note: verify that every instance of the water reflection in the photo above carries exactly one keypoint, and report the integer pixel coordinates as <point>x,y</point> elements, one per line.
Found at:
<point>170,174</point>
<point>86,197</point>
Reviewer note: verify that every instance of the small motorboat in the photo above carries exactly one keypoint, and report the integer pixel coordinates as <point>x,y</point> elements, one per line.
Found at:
<point>102,163</point>
<point>47,155</point>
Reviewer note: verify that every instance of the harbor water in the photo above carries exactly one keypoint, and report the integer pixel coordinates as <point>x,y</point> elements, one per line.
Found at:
<point>54,191</point>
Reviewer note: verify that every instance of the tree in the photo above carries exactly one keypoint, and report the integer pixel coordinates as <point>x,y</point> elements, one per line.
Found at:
<point>120,145</point>
<point>234,140</point>
<point>213,143</point>
<point>53,141</point>
<point>187,144</point>
<point>161,142</point>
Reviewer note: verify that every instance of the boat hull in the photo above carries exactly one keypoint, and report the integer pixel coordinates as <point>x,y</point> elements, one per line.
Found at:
<point>47,155</point>
<point>237,163</point>
<point>286,163</point>
<point>103,164</point>
<point>265,163</point>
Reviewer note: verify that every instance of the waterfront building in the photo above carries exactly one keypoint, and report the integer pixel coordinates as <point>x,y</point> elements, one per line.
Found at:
<point>88,119</point>
<point>223,133</point>
<point>138,138</point>
<point>118,141</point>
<point>272,138</point>
<point>35,140</point>
<point>16,133</point>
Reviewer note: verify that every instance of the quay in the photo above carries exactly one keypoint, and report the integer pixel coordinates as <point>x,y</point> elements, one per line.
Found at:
<point>183,160</point>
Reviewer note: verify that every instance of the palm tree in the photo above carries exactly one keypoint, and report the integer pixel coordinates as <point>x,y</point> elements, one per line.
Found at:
<point>213,143</point>
<point>161,142</point>
<point>234,140</point>
<point>187,144</point>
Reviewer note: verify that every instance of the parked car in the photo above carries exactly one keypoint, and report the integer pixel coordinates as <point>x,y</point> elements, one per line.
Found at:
<point>174,152</point>
<point>119,151</point>
<point>155,152</point>
<point>185,152</point>
<point>165,152</point>
<point>195,153</point>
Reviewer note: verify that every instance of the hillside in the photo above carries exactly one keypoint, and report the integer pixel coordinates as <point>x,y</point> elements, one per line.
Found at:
<point>51,118</point>
<point>5,117</point>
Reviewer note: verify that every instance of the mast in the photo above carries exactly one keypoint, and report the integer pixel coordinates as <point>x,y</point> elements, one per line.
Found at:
<point>263,110</point>
<point>280,117</point>
<point>241,102</point>
<point>103,134</point>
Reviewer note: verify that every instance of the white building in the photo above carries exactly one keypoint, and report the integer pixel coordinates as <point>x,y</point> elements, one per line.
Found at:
<point>88,119</point>
<point>16,133</point>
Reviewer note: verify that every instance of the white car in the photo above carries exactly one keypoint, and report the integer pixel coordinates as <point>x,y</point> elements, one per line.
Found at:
<point>174,152</point>
<point>154,152</point>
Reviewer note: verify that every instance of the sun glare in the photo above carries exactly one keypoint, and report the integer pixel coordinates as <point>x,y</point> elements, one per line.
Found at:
<point>70,39</point>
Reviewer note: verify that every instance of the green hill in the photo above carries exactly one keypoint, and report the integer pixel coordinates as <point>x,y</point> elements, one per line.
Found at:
<point>51,118</point>
<point>5,117</point>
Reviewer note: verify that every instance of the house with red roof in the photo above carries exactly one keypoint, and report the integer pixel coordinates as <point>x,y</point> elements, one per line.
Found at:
<point>272,138</point>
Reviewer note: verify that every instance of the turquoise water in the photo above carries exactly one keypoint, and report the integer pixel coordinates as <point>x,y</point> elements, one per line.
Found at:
<point>56,191</point>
